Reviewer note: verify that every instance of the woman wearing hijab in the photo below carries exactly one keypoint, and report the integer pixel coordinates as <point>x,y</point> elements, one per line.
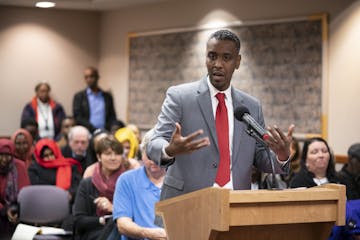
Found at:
<point>13,177</point>
<point>23,146</point>
<point>95,194</point>
<point>129,141</point>
<point>130,144</point>
<point>51,168</point>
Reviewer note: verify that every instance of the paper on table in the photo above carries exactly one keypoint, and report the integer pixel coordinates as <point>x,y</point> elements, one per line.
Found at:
<point>52,230</point>
<point>27,232</point>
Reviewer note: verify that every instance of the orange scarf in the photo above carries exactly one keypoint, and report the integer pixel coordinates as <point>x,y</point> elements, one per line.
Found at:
<point>34,105</point>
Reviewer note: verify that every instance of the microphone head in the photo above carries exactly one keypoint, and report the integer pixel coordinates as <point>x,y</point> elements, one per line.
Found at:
<point>240,111</point>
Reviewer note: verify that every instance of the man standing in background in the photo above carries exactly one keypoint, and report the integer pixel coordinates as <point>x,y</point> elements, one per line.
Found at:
<point>93,107</point>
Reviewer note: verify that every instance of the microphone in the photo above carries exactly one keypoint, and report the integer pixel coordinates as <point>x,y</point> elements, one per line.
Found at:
<point>254,129</point>
<point>259,133</point>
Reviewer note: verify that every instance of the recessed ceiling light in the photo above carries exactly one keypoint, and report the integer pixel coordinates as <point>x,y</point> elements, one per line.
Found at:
<point>45,4</point>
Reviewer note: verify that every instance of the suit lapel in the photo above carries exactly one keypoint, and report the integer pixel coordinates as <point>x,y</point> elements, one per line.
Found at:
<point>239,128</point>
<point>204,101</point>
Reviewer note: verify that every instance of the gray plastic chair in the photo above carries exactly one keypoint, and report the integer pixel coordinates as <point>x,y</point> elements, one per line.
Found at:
<point>43,205</point>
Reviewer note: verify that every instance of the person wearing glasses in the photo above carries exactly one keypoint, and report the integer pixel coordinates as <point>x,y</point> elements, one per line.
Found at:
<point>93,107</point>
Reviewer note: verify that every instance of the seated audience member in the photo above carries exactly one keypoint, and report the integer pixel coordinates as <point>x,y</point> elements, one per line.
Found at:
<point>93,107</point>
<point>23,146</point>
<point>129,141</point>
<point>116,125</point>
<point>268,180</point>
<point>47,113</point>
<point>137,133</point>
<point>350,173</point>
<point>95,194</point>
<point>351,230</point>
<point>32,127</point>
<point>294,161</point>
<point>281,181</point>
<point>78,147</point>
<point>261,180</point>
<point>62,138</point>
<point>136,193</point>
<point>97,135</point>
<point>129,163</point>
<point>51,168</point>
<point>135,130</point>
<point>317,165</point>
<point>13,177</point>
<point>130,145</point>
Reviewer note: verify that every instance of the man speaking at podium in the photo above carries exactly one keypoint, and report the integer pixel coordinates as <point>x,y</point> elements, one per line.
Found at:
<point>197,137</point>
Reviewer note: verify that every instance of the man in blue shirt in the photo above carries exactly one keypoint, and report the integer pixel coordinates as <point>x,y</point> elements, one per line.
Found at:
<point>93,107</point>
<point>136,193</point>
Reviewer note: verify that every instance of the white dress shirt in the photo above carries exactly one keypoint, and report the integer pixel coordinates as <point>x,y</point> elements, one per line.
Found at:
<point>230,111</point>
<point>45,120</point>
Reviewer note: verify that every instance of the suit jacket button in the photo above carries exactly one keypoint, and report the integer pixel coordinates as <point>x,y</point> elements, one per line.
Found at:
<point>214,165</point>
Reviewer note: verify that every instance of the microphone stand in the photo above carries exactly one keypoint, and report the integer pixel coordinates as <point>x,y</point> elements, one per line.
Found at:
<point>262,142</point>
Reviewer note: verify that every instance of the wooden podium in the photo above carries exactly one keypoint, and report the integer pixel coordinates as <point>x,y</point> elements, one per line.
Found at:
<point>216,213</point>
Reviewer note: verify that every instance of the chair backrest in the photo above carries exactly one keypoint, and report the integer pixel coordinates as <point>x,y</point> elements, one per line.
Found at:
<point>43,204</point>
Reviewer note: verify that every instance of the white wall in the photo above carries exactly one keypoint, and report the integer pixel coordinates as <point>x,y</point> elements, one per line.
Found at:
<point>43,45</point>
<point>344,79</point>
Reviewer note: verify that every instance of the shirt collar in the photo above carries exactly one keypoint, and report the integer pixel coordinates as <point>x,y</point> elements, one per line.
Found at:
<point>214,91</point>
<point>42,104</point>
<point>90,92</point>
<point>146,183</point>
<point>321,181</point>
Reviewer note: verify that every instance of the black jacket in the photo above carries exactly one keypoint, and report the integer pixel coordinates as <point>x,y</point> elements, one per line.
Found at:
<point>85,161</point>
<point>304,178</point>
<point>352,183</point>
<point>86,223</point>
<point>47,176</point>
<point>81,111</point>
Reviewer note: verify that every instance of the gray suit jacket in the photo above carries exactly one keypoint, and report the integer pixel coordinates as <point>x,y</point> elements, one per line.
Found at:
<point>190,105</point>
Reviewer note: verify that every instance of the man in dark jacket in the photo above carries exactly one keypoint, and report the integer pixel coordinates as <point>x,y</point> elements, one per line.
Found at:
<point>78,146</point>
<point>350,173</point>
<point>93,107</point>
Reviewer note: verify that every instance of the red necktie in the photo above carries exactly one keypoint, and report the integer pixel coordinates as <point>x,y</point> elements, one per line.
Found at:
<point>222,131</point>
